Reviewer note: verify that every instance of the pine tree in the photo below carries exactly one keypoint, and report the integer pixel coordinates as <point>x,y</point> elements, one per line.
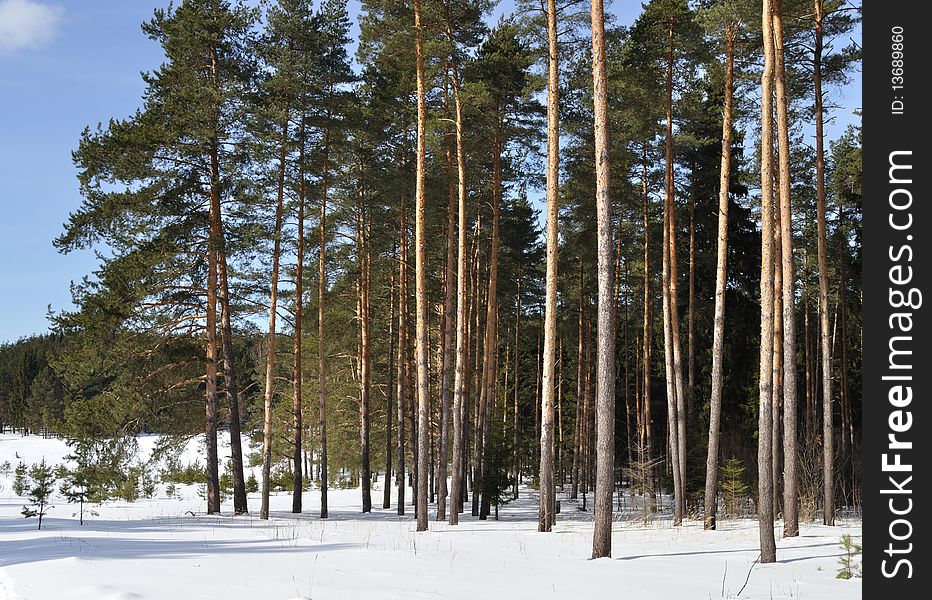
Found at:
<point>39,491</point>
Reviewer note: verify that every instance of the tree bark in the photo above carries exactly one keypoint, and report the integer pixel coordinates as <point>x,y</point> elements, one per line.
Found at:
<point>828,443</point>
<point>545,509</point>
<point>460,376</point>
<point>298,376</point>
<point>777,349</point>
<point>605,361</point>
<point>273,314</point>
<point>213,470</point>
<point>364,370</point>
<point>515,468</point>
<point>420,272</point>
<point>675,391</point>
<point>322,470</point>
<point>691,308</point>
<point>490,351</point>
<point>790,494</point>
<point>232,392</point>
<point>646,431</point>
<point>721,280</point>
<point>764,454</point>
<point>387,486</point>
<point>403,388</point>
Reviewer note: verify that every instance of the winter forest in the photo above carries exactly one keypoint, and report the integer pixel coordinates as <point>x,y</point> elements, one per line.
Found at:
<point>437,261</point>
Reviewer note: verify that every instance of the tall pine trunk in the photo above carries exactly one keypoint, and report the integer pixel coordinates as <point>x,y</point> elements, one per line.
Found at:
<point>389,391</point>
<point>645,433</point>
<point>790,494</point>
<point>232,391</point>
<point>322,469</point>
<point>515,468</point>
<point>545,510</point>
<point>273,314</point>
<point>605,362</point>
<point>490,351</point>
<point>674,366</point>
<point>721,280</point>
<point>213,471</point>
<point>765,515</point>
<point>460,375</point>
<point>828,442</point>
<point>420,271</point>
<point>298,375</point>
<point>364,369</point>
<point>403,388</point>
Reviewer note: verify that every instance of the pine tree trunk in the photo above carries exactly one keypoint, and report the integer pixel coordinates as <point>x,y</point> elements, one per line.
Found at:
<point>389,390</point>
<point>721,280</point>
<point>579,429</point>
<point>809,417</point>
<point>214,250</point>
<point>790,494</point>
<point>403,387</point>
<point>545,509</point>
<point>515,468</point>
<point>764,454</point>
<point>213,470</point>
<point>364,370</point>
<point>646,431</point>
<point>298,376</point>
<point>561,467</point>
<point>490,354</point>
<point>828,443</point>
<point>273,314</point>
<point>446,355</point>
<point>777,352</point>
<point>673,363</point>
<point>605,362</point>
<point>420,271</point>
<point>322,469</point>
<point>691,308</point>
<point>232,392</point>
<point>460,376</point>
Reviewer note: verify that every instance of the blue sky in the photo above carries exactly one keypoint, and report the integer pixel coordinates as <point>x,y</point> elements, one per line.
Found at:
<point>64,65</point>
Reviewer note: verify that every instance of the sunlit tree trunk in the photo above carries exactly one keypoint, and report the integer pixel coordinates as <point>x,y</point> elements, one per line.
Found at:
<point>273,314</point>
<point>364,369</point>
<point>788,291</point>
<point>828,442</point>
<point>460,376</point>
<point>298,371</point>
<point>764,454</point>
<point>645,433</point>
<point>420,270</point>
<point>545,510</point>
<point>675,391</point>
<point>605,355</point>
<point>389,391</point>
<point>447,382</point>
<point>403,388</point>
<point>721,280</point>
<point>490,340</point>
<point>323,472</point>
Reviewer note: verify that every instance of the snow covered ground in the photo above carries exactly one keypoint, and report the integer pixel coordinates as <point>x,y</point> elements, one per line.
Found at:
<point>156,549</point>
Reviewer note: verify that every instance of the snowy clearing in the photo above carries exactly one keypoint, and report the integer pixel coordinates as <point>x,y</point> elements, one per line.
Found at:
<point>156,549</point>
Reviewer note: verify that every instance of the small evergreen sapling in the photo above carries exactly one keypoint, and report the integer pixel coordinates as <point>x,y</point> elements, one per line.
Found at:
<point>19,480</point>
<point>77,488</point>
<point>733,484</point>
<point>848,562</point>
<point>39,491</point>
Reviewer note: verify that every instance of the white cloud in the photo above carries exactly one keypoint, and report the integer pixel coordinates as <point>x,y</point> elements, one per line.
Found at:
<point>27,23</point>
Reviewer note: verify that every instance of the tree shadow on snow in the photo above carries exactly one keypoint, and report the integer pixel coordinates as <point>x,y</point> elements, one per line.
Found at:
<point>96,548</point>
